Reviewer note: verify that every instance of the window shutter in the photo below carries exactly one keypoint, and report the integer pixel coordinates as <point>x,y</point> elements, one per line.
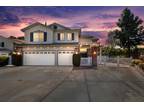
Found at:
<point>2,44</point>
<point>58,36</point>
<point>45,36</point>
<point>31,37</point>
<point>72,36</point>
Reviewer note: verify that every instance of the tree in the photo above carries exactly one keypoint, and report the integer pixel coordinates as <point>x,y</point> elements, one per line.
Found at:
<point>12,37</point>
<point>112,40</point>
<point>130,30</point>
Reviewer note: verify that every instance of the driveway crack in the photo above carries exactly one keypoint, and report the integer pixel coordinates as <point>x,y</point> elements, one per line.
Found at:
<point>87,87</point>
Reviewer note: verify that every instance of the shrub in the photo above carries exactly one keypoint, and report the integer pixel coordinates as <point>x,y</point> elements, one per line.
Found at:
<point>142,58</point>
<point>141,65</point>
<point>76,60</point>
<point>17,60</point>
<point>3,60</point>
<point>136,62</point>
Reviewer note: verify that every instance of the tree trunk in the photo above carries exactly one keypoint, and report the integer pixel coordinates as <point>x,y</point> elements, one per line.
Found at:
<point>129,51</point>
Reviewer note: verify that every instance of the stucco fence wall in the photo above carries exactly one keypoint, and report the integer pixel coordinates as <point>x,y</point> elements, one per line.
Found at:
<point>106,59</point>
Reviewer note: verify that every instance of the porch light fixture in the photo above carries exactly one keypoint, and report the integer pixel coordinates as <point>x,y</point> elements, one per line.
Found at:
<point>76,52</point>
<point>94,53</point>
<point>18,53</point>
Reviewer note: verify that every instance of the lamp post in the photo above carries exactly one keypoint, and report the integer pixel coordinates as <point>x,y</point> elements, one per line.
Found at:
<point>100,52</point>
<point>117,47</point>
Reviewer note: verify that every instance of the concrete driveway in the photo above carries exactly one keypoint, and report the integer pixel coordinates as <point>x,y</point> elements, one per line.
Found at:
<point>62,84</point>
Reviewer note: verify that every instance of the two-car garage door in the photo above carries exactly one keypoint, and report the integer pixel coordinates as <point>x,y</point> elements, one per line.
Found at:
<point>39,58</point>
<point>47,58</point>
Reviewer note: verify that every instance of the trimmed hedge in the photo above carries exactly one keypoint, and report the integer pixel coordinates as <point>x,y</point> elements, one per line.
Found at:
<point>17,60</point>
<point>76,60</point>
<point>4,60</point>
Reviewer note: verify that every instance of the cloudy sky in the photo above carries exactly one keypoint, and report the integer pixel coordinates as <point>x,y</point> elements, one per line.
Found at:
<point>95,20</point>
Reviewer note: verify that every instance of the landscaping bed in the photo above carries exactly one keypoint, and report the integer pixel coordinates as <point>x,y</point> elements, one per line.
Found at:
<point>138,62</point>
<point>3,60</point>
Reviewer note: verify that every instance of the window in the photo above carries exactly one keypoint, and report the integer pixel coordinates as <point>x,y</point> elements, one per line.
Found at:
<point>60,36</point>
<point>55,27</point>
<point>2,44</point>
<point>69,36</point>
<point>38,36</point>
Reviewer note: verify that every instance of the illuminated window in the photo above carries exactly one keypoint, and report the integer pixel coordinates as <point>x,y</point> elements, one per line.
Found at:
<point>60,36</point>
<point>38,37</point>
<point>69,36</point>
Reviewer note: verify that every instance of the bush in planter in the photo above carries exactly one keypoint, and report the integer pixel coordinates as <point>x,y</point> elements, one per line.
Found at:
<point>142,58</point>
<point>136,62</point>
<point>4,60</point>
<point>17,60</point>
<point>76,60</point>
<point>141,65</point>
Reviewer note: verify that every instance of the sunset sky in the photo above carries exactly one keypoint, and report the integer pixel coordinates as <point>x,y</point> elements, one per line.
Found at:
<point>95,20</point>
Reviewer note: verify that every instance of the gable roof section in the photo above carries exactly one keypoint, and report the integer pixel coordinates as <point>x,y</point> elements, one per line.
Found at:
<point>49,26</point>
<point>58,25</point>
<point>32,25</point>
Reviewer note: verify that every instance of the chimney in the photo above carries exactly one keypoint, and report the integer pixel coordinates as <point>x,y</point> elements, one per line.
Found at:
<point>45,23</point>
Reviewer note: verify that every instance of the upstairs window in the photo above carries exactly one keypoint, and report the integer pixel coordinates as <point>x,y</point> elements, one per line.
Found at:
<point>55,27</point>
<point>39,37</point>
<point>69,36</point>
<point>60,36</point>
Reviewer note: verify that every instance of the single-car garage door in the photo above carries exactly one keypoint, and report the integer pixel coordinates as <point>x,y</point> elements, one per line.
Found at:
<point>39,58</point>
<point>65,57</point>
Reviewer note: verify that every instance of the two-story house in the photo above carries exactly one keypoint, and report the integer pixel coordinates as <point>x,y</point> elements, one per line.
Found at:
<point>51,44</point>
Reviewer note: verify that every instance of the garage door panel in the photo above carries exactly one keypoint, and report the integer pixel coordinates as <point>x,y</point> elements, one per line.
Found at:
<point>65,58</point>
<point>39,59</point>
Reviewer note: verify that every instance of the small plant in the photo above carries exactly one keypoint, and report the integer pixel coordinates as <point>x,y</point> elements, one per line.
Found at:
<point>76,60</point>
<point>3,60</point>
<point>17,60</point>
<point>141,65</point>
<point>136,62</point>
<point>142,58</point>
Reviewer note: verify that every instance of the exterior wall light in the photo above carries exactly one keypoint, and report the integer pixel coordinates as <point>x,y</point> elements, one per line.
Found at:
<point>76,52</point>
<point>94,52</point>
<point>18,53</point>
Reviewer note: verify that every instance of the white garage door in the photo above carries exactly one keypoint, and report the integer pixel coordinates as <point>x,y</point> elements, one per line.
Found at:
<point>65,57</point>
<point>39,58</point>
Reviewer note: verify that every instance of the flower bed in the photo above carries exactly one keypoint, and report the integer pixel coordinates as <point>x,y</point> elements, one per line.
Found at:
<point>138,62</point>
<point>3,60</point>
